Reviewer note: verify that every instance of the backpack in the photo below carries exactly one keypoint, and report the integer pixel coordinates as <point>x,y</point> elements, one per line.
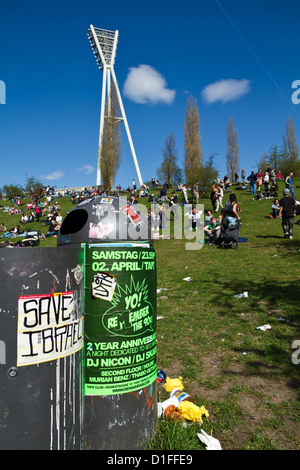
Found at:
<point>32,238</point>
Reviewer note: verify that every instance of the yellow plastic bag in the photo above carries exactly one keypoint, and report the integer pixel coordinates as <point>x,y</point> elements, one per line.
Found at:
<point>171,384</point>
<point>191,411</point>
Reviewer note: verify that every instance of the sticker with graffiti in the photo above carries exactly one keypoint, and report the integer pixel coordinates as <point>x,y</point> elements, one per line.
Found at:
<point>132,215</point>
<point>104,286</point>
<point>78,273</point>
<point>100,230</point>
<point>49,327</point>
<point>99,210</point>
<point>106,200</point>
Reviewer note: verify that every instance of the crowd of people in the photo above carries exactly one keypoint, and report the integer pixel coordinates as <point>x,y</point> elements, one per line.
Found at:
<point>262,185</point>
<point>44,206</point>
<point>42,209</point>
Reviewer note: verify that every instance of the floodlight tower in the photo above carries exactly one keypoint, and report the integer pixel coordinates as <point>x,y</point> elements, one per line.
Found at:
<point>104,45</point>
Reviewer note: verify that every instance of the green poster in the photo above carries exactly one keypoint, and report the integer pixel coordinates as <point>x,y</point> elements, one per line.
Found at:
<point>120,318</point>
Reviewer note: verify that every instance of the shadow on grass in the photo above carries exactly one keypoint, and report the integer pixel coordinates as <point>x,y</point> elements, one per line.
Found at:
<point>270,236</point>
<point>273,294</point>
<point>273,357</point>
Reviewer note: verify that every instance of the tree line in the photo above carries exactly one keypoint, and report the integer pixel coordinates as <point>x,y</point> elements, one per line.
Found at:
<point>284,159</point>
<point>32,186</point>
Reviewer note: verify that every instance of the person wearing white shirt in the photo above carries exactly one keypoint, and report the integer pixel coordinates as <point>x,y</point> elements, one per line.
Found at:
<point>266,180</point>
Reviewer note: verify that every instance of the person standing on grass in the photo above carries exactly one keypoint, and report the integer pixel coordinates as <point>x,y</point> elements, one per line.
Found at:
<point>266,180</point>
<point>287,213</point>
<point>252,179</point>
<point>214,197</point>
<point>220,195</point>
<point>184,195</point>
<point>259,179</point>
<point>196,191</point>
<point>232,211</point>
<point>173,205</point>
<point>289,184</point>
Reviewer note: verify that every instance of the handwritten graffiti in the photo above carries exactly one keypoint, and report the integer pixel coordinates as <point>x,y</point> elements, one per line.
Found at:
<point>104,286</point>
<point>48,327</point>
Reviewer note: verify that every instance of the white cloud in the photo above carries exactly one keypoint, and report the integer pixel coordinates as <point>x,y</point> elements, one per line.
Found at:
<point>145,85</point>
<point>87,169</point>
<point>225,90</point>
<point>56,175</point>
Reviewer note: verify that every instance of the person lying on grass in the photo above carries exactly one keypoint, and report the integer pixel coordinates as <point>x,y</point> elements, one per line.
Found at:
<point>12,232</point>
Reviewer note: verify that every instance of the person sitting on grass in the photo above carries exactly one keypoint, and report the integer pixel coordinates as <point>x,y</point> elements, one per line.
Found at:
<point>208,217</point>
<point>212,231</point>
<point>2,227</point>
<point>52,230</point>
<point>58,217</point>
<point>274,188</point>
<point>24,219</point>
<point>274,214</point>
<point>31,217</point>
<point>267,193</point>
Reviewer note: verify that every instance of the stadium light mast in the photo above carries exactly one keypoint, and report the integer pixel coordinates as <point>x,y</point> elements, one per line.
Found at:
<point>104,45</point>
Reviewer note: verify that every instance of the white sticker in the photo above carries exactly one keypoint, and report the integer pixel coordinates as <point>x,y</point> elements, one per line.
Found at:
<point>48,327</point>
<point>104,286</point>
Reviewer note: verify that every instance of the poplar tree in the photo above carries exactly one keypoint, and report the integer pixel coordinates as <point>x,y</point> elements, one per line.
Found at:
<point>192,145</point>
<point>291,140</point>
<point>232,155</point>
<point>169,170</point>
<point>290,153</point>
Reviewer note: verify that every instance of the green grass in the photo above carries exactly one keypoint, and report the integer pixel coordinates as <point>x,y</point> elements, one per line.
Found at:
<point>244,377</point>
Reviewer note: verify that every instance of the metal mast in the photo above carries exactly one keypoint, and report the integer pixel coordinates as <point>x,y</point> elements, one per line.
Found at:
<point>104,45</point>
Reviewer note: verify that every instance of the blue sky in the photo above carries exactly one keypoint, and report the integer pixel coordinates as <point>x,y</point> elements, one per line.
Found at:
<point>237,58</point>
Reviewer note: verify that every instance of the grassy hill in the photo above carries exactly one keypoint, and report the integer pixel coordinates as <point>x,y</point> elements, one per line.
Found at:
<point>244,377</point>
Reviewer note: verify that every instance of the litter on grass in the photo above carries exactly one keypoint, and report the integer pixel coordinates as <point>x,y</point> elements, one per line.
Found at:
<point>283,319</point>
<point>171,384</point>
<point>187,279</point>
<point>192,412</point>
<point>182,403</point>
<point>211,443</point>
<point>181,407</point>
<point>264,327</point>
<point>240,296</point>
